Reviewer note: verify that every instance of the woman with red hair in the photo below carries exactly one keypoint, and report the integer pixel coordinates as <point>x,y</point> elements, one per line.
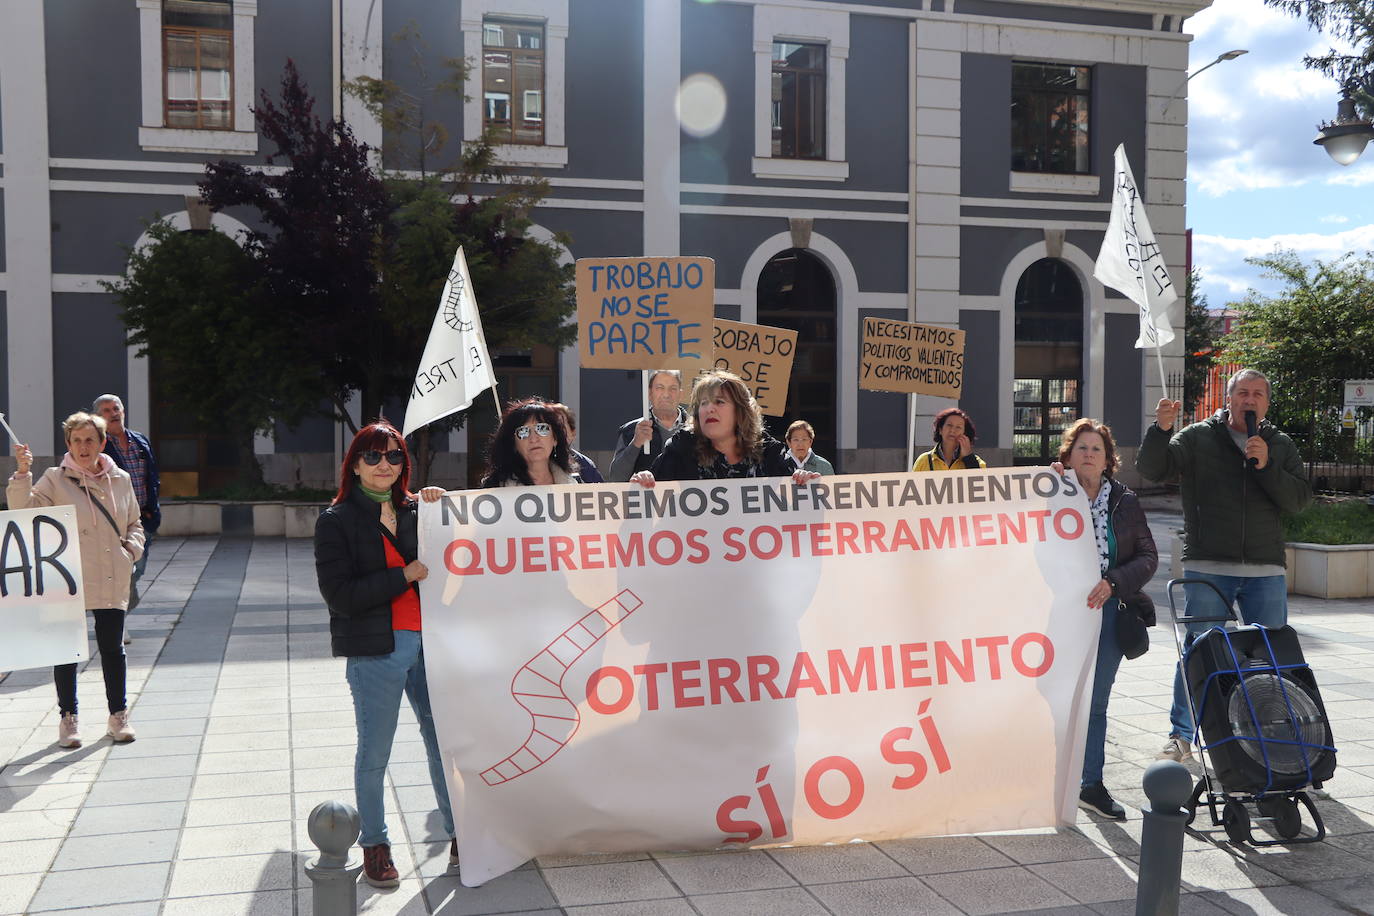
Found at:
<point>366,544</point>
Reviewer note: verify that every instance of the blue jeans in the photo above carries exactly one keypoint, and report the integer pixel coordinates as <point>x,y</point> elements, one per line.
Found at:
<point>377,682</point>
<point>1108,661</point>
<point>1260,600</point>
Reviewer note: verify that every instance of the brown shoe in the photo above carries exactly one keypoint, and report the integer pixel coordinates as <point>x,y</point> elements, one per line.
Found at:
<point>378,868</point>
<point>453,852</point>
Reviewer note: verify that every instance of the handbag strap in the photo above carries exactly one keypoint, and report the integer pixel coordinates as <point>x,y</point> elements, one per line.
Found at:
<point>95,501</point>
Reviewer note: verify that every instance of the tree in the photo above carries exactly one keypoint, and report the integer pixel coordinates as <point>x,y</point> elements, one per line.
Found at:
<point>1308,339</point>
<point>323,216</point>
<point>188,298</point>
<point>1200,334</point>
<point>1352,23</point>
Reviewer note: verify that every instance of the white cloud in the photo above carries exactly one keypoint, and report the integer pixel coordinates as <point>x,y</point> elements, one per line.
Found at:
<point>1334,218</point>
<point>1252,119</point>
<point>1226,276</point>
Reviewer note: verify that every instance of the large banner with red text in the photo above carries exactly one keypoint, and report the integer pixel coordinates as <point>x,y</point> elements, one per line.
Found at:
<point>749,662</point>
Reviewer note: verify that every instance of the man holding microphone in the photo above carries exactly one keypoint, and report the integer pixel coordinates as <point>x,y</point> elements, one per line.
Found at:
<point>666,417</point>
<point>1239,475</point>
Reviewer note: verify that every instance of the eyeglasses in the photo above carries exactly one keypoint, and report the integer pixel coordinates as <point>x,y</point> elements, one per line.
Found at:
<point>543,429</point>
<point>372,457</point>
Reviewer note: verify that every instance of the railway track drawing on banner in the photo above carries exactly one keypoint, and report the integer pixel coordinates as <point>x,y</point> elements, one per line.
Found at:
<point>538,688</point>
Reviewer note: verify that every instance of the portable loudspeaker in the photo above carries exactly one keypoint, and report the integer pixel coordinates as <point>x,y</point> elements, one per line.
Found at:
<point>1256,745</point>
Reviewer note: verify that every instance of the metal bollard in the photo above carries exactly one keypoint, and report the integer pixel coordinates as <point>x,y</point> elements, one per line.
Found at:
<point>333,827</point>
<point>1167,785</point>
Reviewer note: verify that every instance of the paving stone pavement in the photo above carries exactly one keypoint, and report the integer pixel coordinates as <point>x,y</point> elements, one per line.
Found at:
<point>245,724</point>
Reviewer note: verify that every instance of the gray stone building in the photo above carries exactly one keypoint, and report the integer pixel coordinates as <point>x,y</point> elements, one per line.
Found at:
<point>942,161</point>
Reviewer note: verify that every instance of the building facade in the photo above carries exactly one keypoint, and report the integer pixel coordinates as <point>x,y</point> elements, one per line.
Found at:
<point>941,161</point>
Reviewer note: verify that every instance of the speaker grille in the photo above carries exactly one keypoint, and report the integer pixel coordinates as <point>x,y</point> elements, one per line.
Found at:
<point>1307,726</point>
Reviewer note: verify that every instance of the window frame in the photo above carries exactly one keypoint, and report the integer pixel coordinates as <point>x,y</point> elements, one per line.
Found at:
<point>1085,97</point>
<point>514,53</point>
<point>801,73</point>
<point>241,138</point>
<point>800,26</point>
<point>553,14</point>
<point>199,75</point>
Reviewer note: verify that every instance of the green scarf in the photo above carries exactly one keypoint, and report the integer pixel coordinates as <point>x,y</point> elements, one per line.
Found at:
<point>377,496</point>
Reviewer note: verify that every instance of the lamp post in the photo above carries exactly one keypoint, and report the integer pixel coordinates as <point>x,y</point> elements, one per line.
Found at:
<point>1345,138</point>
<point>1225,55</point>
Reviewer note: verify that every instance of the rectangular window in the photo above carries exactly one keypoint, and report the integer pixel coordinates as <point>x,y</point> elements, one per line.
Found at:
<point>513,80</point>
<point>1049,118</point>
<point>798,100</point>
<point>198,64</point>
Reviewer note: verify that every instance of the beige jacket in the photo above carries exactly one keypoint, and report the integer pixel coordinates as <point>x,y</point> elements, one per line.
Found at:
<point>107,558</point>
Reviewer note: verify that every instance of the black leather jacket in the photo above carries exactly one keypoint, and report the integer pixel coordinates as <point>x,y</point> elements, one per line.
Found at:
<point>357,585</point>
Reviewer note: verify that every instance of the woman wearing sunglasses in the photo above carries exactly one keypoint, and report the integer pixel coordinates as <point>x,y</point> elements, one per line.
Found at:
<point>530,448</point>
<point>366,544</point>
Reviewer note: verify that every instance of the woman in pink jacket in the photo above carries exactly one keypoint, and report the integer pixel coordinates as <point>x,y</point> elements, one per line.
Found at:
<point>111,538</point>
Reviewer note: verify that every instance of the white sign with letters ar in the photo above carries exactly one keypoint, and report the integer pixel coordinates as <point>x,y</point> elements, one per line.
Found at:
<point>42,605</point>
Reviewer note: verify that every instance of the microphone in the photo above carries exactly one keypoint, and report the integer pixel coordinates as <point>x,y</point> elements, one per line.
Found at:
<point>1251,429</point>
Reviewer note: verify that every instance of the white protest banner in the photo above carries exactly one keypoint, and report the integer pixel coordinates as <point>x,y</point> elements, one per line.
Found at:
<point>761,356</point>
<point>749,663</point>
<point>1130,261</point>
<point>42,606</point>
<point>455,367</point>
<point>646,313</point>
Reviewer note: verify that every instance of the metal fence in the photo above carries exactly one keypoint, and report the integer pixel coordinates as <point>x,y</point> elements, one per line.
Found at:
<point>1338,458</point>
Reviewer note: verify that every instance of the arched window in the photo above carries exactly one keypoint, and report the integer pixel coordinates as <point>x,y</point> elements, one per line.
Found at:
<point>1048,394</point>
<point>797,291</point>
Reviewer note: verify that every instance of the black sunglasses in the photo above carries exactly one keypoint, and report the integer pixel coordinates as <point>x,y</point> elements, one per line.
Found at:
<point>372,457</point>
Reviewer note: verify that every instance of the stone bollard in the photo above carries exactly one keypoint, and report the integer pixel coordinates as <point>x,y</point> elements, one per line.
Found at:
<point>333,827</point>
<point>1167,785</point>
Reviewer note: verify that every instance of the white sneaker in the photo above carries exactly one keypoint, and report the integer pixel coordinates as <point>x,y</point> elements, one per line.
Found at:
<point>119,728</point>
<point>67,733</point>
<point>1176,748</point>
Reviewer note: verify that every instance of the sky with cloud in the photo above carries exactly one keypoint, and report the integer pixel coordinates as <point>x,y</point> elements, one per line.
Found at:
<point>1256,182</point>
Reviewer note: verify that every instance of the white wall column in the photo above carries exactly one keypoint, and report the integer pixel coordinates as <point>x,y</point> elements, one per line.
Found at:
<point>662,140</point>
<point>28,218</point>
<point>363,40</point>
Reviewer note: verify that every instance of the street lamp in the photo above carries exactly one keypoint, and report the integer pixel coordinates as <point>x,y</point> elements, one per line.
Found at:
<point>1345,138</point>
<point>1225,55</point>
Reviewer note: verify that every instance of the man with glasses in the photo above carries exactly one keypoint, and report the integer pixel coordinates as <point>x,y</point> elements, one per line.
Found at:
<point>133,453</point>
<point>666,416</point>
<point>1239,475</point>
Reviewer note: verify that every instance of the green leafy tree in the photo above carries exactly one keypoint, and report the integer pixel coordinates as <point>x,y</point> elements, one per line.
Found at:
<point>1351,22</point>
<point>1200,333</point>
<point>1308,339</point>
<point>189,300</point>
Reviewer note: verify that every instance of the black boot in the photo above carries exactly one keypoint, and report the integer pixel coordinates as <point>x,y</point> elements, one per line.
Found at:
<point>1094,797</point>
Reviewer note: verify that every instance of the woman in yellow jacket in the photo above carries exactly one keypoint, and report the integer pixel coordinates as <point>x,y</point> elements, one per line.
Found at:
<point>954,438</point>
<point>111,538</point>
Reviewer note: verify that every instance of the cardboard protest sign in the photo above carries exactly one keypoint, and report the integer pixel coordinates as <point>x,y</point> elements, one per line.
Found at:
<point>761,356</point>
<point>646,313</point>
<point>737,663</point>
<point>911,358</point>
<point>42,606</point>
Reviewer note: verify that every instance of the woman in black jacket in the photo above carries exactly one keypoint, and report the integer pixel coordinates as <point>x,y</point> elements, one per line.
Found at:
<point>1126,559</point>
<point>365,559</point>
<point>724,438</point>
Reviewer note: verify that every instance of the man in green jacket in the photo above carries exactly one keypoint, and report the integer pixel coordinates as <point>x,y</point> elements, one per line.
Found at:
<point>1235,489</point>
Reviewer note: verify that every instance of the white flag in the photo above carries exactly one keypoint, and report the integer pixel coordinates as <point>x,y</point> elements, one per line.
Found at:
<point>1130,261</point>
<point>455,367</point>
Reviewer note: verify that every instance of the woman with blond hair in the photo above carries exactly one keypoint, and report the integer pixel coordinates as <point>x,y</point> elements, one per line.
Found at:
<point>111,538</point>
<point>724,438</point>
